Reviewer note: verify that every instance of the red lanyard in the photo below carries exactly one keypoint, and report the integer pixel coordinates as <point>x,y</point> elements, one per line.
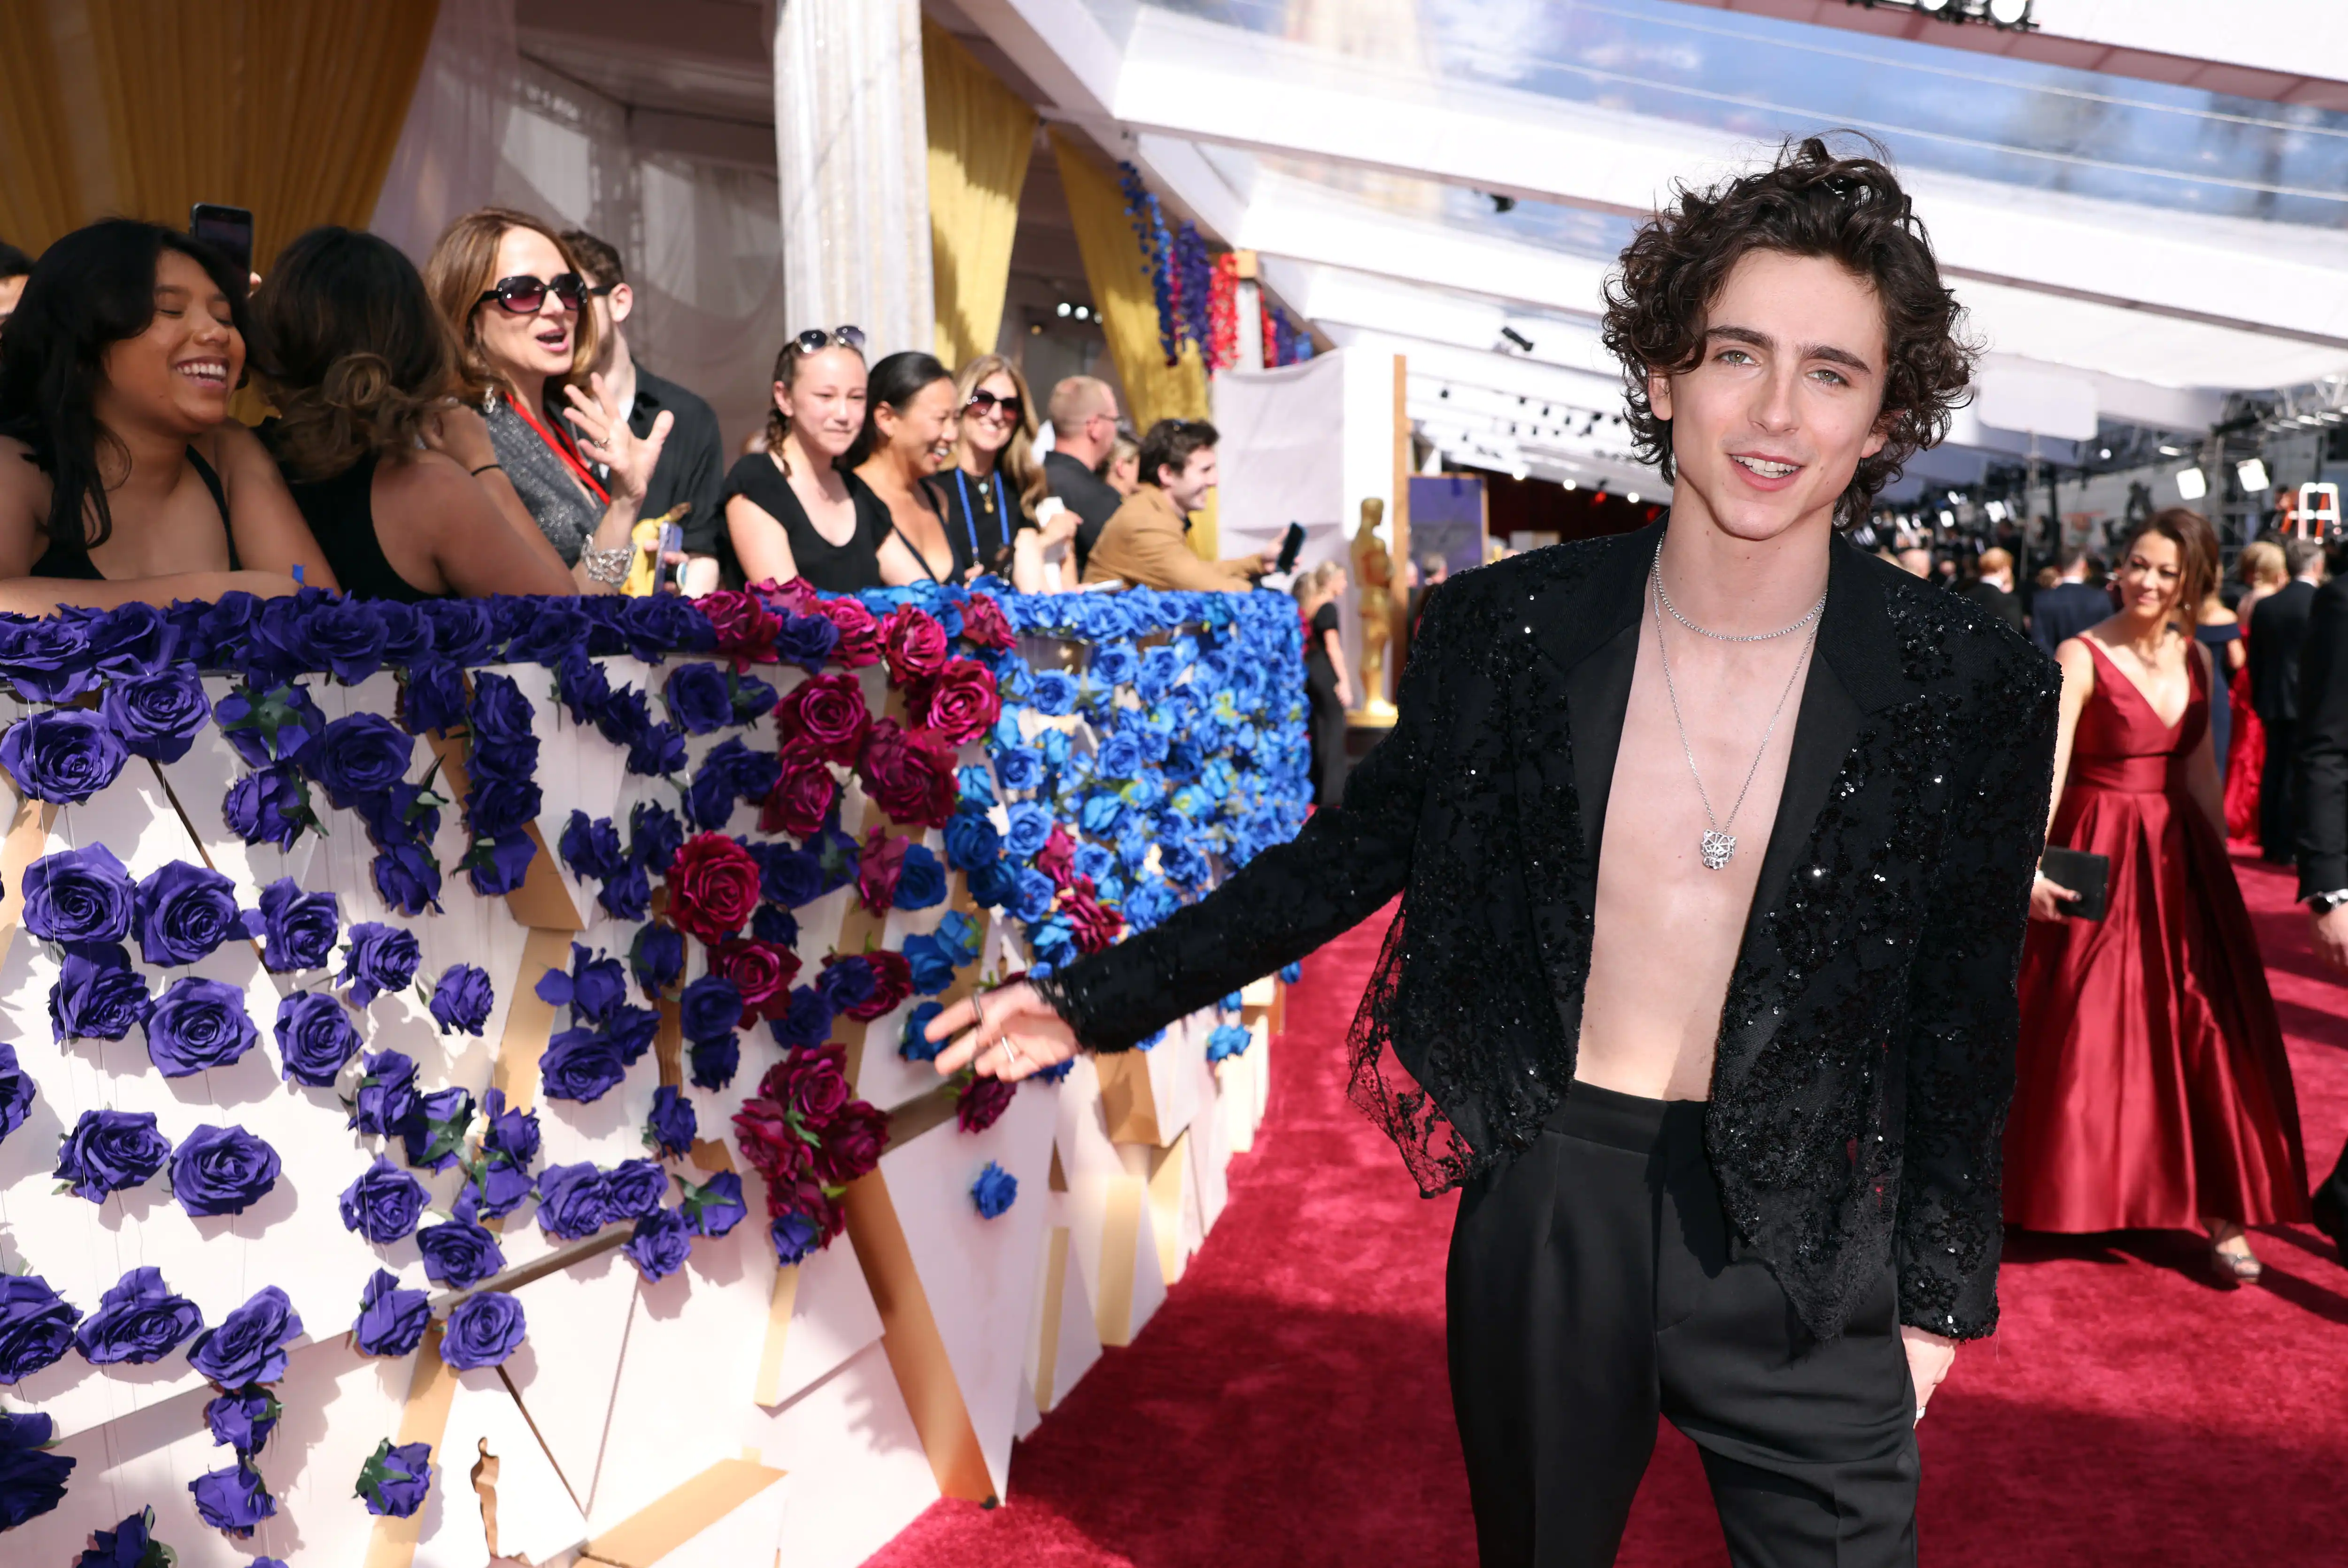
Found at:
<point>563,450</point>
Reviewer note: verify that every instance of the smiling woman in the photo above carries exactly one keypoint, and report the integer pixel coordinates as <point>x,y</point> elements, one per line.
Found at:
<point>121,475</point>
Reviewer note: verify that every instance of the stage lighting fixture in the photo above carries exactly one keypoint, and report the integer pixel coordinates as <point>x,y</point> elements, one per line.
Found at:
<point>1632,498</point>
<point>1948,518</point>
<point>1931,7</point>
<point>1995,510</point>
<point>1065,307</point>
<point>2192,484</point>
<point>2008,13</point>
<point>2172,452</point>
<point>2252,473</point>
<point>1568,484</point>
<point>2105,453</point>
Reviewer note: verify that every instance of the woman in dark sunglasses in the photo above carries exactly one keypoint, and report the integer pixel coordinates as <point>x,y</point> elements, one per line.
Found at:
<point>512,292</point>
<point>995,487</point>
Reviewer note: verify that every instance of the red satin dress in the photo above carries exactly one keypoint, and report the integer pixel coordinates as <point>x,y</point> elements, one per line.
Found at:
<point>2151,1090</point>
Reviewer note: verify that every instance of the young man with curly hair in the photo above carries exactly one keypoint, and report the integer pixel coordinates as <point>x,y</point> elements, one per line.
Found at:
<point>1715,844</point>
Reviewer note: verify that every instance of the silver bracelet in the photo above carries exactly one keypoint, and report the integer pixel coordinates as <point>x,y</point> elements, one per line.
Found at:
<point>607,566</point>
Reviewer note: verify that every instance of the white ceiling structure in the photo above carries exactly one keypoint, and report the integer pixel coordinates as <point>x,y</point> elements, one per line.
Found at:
<point>2140,214</point>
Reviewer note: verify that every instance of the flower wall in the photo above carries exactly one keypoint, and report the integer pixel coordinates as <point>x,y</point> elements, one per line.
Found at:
<point>403,1010</point>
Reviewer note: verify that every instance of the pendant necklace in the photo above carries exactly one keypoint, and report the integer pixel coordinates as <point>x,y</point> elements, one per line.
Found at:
<point>1719,844</point>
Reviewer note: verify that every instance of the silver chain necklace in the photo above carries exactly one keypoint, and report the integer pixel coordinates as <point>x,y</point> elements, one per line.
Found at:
<point>1719,844</point>
<point>1674,611</point>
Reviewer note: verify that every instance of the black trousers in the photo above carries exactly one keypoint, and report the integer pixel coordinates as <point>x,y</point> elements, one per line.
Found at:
<point>2278,834</point>
<point>1595,1284</point>
<point>1326,729</point>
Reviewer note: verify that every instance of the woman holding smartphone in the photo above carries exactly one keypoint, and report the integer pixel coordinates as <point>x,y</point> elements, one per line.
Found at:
<point>122,477</point>
<point>512,293</point>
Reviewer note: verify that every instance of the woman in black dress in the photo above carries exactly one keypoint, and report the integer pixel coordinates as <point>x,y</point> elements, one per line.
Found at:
<point>1325,686</point>
<point>991,490</point>
<point>379,452</point>
<point>795,510</point>
<point>912,420</point>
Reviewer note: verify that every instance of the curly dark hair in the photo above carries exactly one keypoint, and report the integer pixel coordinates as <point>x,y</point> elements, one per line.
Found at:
<point>1810,203</point>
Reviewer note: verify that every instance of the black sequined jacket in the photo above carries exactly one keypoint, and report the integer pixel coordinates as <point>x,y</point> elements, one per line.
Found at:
<point>1866,1049</point>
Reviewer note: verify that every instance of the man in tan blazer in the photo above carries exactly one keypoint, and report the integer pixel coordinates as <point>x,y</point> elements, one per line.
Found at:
<point>1145,543</point>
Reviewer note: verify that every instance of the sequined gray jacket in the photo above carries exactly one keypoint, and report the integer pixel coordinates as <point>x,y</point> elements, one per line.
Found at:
<point>1866,1049</point>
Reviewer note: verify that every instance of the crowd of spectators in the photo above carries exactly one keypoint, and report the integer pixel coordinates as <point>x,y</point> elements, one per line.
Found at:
<point>483,426</point>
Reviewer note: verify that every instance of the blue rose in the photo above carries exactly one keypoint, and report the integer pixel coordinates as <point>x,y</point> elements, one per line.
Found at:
<point>972,841</point>
<point>737,772</point>
<point>632,1189</point>
<point>628,896</point>
<point>110,1151</point>
<point>581,1065</point>
<point>553,628</point>
<point>498,865</point>
<point>158,716</point>
<point>196,1024</point>
<point>913,1044</point>
<point>921,880</point>
<point>129,640</point>
<point>591,846</point>
<point>393,1481</point>
<point>1019,768</point>
<point>1032,894</point>
<point>461,1000</point>
<point>932,964</point>
<point>78,895</point>
<point>1031,826</point>
<point>669,1129</point>
<point>654,835</point>
<point>657,752</point>
<point>807,1021</point>
<point>697,698</point>
<point>271,806</point>
<point>37,1326</point>
<point>500,807</point>
<point>626,717</point>
<point>709,1008</point>
<point>61,754</point>
<point>993,885</point>
<point>384,1203</point>
<point>1120,756</point>
<point>976,786</point>
<point>778,926</point>
<point>458,1254</point>
<point>657,955</point>
<point>129,1544</point>
<point>222,1170</point>
<point>793,1237</point>
<point>592,989</point>
<point>500,710</point>
<point>582,684</point>
<point>432,697</point>
<point>1053,941</point>
<point>381,958</point>
<point>347,636</point>
<point>1055,691</point>
<point>807,640</point>
<point>994,1191</point>
<point>409,879</point>
<point>515,761</point>
<point>32,1481</point>
<point>183,912</point>
<point>711,1064</point>
<point>391,1321</point>
<point>787,877</point>
<point>315,1039</point>
<point>139,1320</point>
<point>434,1132</point>
<point>462,629</point>
<point>233,1499</point>
<point>298,928</point>
<point>386,1095</point>
<point>507,1134</point>
<point>249,1345</point>
<point>407,636</point>
<point>49,659</point>
<point>660,1245</point>
<point>483,1330</point>
<point>713,1209</point>
<point>243,1420</point>
<point>281,724</point>
<point>1227,1040</point>
<point>573,1201</point>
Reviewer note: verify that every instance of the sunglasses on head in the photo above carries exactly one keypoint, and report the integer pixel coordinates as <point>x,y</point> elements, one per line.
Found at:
<point>523,295</point>
<point>815,340</point>
<point>982,400</point>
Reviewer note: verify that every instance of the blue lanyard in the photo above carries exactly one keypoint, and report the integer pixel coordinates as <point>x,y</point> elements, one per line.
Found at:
<point>969,512</point>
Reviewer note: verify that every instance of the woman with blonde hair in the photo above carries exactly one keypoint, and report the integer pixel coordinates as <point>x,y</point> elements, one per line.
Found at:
<point>2262,566</point>
<point>511,291</point>
<point>1326,689</point>
<point>995,490</point>
<point>1122,469</point>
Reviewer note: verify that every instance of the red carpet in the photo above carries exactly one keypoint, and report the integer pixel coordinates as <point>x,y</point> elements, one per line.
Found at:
<point>1287,1406</point>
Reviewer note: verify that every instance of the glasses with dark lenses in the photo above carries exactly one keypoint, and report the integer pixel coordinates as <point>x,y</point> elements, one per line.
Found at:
<point>982,400</point>
<point>524,295</point>
<point>815,340</point>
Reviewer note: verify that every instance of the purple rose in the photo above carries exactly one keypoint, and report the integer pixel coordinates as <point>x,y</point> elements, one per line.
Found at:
<point>657,752</point>
<point>580,1064</point>
<point>793,1237</point>
<point>500,807</point>
<point>198,1023</point>
<point>713,1209</point>
<point>654,835</point>
<point>492,1189</point>
<point>633,1031</point>
<point>847,984</point>
<point>669,1129</point>
<point>713,1062</point>
<point>661,1244</point>
<point>138,1321</point>
<point>347,636</point>
<point>62,754</point>
<point>409,879</point>
<point>271,806</point>
<point>158,716</point>
<point>37,1326</point>
<point>583,685</point>
<point>462,629</point>
<point>221,1171</point>
<point>658,958</point>
<point>496,866</point>
<point>78,895</point>
<point>807,1023</point>
<point>405,813</point>
<point>500,710</point>
<point>16,1091</point>
<point>633,1189</point>
<point>710,1008</point>
<point>788,876</point>
<point>129,1544</point>
<point>384,1203</point>
<point>775,928</point>
<point>697,698</point>
<point>434,1131</point>
<point>514,760</point>
<point>573,1201</point>
<point>183,912</point>
<point>508,1135</point>
<point>243,1420</point>
<point>627,895</point>
<point>315,1039</point>
<point>49,659</point>
<point>395,1480</point>
<point>591,846</point>
<point>98,996</point>
<point>660,623</point>
<point>807,640</point>
<point>458,1254</point>
<point>361,756</point>
<point>461,1001</point>
<point>129,640</point>
<point>32,1481</point>
<point>281,724</point>
<point>110,1151</point>
<point>406,635</point>
<point>593,988</point>
<point>249,1345</point>
<point>386,1094</point>
<point>298,928</point>
<point>483,1330</point>
<point>381,958</point>
<point>432,697</point>
<point>233,1499</point>
<point>391,1321</point>
<point>553,627</point>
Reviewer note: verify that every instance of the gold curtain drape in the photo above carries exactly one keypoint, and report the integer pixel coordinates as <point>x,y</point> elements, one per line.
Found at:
<point>290,108</point>
<point>1127,308</point>
<point>981,138</point>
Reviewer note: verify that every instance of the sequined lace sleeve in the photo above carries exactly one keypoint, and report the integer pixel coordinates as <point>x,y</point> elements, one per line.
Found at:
<point>1346,864</point>
<point>1963,1016</point>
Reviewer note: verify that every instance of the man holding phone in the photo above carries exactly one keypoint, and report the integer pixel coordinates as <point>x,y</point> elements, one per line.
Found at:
<point>692,469</point>
<point>1146,542</point>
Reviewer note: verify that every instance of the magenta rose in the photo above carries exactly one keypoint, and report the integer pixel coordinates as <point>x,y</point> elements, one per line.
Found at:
<point>960,704</point>
<point>803,794</point>
<point>916,645</point>
<point>812,1083</point>
<point>828,716</point>
<point>877,865</point>
<point>852,1144</point>
<point>982,623</point>
<point>772,1145</point>
<point>797,596</point>
<point>1057,858</point>
<point>713,885</point>
<point>1096,925</point>
<point>892,983</point>
<point>908,775</point>
<point>746,629</point>
<point>860,634</point>
<point>983,1100</point>
<point>761,971</point>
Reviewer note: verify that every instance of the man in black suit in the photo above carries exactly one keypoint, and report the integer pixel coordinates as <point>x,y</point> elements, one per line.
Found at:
<point>1083,412</point>
<point>2278,626</point>
<point>2320,795</point>
<point>2072,605</point>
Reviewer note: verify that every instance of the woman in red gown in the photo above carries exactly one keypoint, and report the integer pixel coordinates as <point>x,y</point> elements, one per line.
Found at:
<point>2151,1091</point>
<point>2260,565</point>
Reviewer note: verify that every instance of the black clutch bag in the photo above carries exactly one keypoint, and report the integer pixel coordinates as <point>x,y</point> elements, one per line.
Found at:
<point>2083,874</point>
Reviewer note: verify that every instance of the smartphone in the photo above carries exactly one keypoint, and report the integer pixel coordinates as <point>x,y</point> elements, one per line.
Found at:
<point>228,230</point>
<point>1289,547</point>
<point>672,574</point>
